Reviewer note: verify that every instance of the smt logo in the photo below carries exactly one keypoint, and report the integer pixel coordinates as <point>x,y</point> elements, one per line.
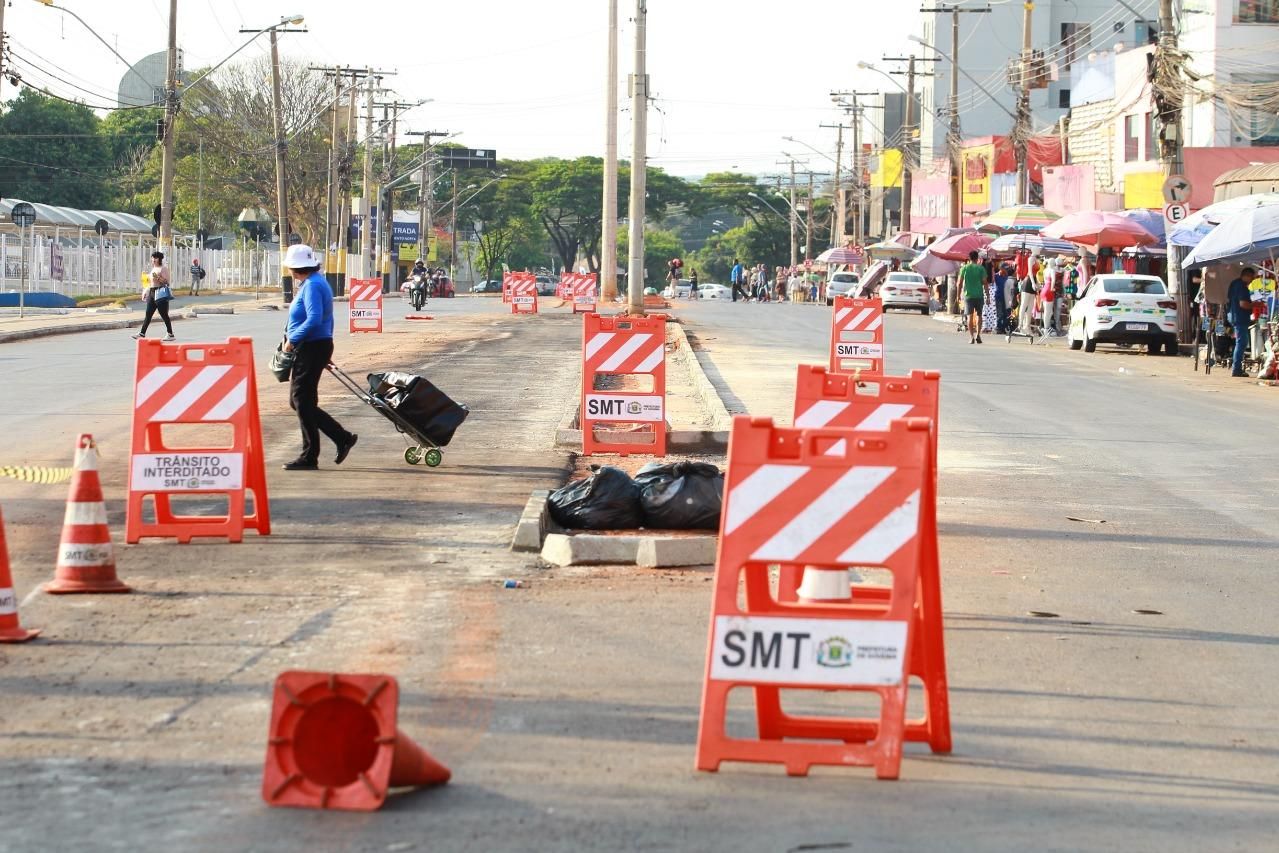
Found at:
<point>623,407</point>
<point>783,650</point>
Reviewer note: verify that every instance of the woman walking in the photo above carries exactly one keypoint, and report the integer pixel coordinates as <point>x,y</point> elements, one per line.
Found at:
<point>156,296</point>
<point>310,337</point>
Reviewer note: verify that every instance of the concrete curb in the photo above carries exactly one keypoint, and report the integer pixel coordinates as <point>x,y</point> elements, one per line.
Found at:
<point>99,326</point>
<point>721,420</point>
<point>534,523</point>
<point>196,311</point>
<point>644,549</point>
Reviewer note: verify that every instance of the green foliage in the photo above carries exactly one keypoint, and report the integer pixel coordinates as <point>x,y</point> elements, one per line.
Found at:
<point>51,152</point>
<point>659,247</point>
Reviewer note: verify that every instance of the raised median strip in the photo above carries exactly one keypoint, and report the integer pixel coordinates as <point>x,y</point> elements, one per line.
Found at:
<point>647,550</point>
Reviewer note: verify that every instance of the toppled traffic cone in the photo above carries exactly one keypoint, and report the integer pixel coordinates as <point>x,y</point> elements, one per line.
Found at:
<point>11,631</point>
<point>334,743</point>
<point>86,561</point>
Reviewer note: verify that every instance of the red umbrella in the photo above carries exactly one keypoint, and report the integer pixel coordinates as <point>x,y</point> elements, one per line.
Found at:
<point>957,246</point>
<point>1099,230</point>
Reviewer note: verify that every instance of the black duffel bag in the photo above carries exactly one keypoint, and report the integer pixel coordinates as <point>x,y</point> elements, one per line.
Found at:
<point>431,412</point>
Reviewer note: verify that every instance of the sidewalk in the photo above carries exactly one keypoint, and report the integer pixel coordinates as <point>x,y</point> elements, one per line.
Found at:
<point>14,328</point>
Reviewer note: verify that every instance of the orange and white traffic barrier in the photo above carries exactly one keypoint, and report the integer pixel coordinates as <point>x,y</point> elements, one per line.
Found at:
<point>521,287</point>
<point>623,385</point>
<point>788,500</point>
<point>11,630</point>
<point>364,307</point>
<point>86,560</point>
<point>334,744</point>
<point>857,336</point>
<point>580,287</point>
<point>196,384</point>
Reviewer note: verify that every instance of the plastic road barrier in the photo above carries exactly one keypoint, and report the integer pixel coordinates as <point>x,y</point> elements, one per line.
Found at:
<point>521,288</point>
<point>11,630</point>
<point>623,385</point>
<point>857,336</point>
<point>196,384</point>
<point>365,305</point>
<point>579,287</point>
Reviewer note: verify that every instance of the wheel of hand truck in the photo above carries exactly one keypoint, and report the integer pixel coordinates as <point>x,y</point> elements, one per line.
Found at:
<point>413,455</point>
<point>433,457</point>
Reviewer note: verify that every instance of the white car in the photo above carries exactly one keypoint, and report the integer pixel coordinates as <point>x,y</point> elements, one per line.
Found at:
<point>905,290</point>
<point>714,291</point>
<point>841,284</point>
<point>1116,308</point>
<point>679,290</point>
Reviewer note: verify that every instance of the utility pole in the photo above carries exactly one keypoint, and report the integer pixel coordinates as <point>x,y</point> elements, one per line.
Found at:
<point>1021,129</point>
<point>344,184</point>
<point>854,111</point>
<point>168,162</point>
<point>387,236</point>
<point>794,220</point>
<point>366,190</point>
<point>908,149</point>
<point>1169,93</point>
<point>337,143</point>
<point>281,165</point>
<point>453,234</point>
<point>425,208</point>
<point>639,162</point>
<point>2,5</point>
<point>954,137</point>
<point>808,226</point>
<point>608,240</point>
<point>837,221</point>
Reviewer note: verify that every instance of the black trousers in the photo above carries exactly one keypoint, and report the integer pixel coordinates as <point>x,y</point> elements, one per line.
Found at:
<point>304,397</point>
<point>154,305</point>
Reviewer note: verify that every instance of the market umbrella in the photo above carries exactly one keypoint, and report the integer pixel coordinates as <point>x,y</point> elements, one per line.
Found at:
<point>1018,217</point>
<point>841,255</point>
<point>957,246</point>
<point>1151,220</point>
<point>1196,226</point>
<point>1037,243</point>
<point>1248,235</point>
<point>891,250</point>
<point>930,266</point>
<point>1098,229</point>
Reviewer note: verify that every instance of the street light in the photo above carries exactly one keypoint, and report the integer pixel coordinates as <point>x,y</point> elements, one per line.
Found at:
<point>811,148</point>
<point>764,201</point>
<point>870,67</point>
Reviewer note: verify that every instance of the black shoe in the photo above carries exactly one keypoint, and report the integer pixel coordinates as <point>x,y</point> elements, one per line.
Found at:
<point>301,465</point>
<point>979,339</point>
<point>345,448</point>
<point>1242,373</point>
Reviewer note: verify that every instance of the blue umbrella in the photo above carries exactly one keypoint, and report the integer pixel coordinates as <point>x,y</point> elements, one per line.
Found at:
<point>1151,220</point>
<point>1249,235</point>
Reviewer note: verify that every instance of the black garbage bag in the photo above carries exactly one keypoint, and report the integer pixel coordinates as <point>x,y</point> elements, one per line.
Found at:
<point>431,412</point>
<point>682,496</point>
<point>606,500</point>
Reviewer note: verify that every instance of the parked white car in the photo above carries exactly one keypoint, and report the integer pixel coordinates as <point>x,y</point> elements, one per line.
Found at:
<point>841,284</point>
<point>905,290</point>
<point>714,291</point>
<point>1116,308</point>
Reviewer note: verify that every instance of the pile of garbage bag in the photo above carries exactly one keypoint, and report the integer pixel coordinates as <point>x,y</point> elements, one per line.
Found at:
<point>675,496</point>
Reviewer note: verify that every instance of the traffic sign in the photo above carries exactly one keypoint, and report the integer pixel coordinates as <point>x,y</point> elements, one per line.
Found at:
<point>23,215</point>
<point>102,227</point>
<point>1177,189</point>
<point>1175,211</point>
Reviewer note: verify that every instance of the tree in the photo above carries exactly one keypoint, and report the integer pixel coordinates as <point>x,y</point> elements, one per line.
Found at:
<point>504,228</point>
<point>659,247</point>
<point>51,152</point>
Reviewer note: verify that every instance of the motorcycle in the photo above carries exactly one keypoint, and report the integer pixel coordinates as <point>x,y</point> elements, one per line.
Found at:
<point>417,291</point>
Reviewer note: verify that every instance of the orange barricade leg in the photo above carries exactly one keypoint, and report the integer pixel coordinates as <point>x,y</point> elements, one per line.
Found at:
<point>11,630</point>
<point>86,560</point>
<point>790,501</point>
<point>334,743</point>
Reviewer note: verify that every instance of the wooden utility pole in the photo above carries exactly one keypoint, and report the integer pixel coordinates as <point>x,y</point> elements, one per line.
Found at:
<point>909,145</point>
<point>168,160</point>
<point>639,162</point>
<point>808,225</point>
<point>425,198</point>
<point>1021,129</point>
<point>954,137</point>
<point>1169,93</point>
<point>608,239</point>
<point>840,208</point>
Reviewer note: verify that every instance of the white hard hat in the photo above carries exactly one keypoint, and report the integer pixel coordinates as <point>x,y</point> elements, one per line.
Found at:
<point>300,257</point>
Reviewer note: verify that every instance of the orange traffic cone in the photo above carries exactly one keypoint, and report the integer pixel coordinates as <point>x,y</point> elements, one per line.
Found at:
<point>86,562</point>
<point>334,745</point>
<point>11,631</point>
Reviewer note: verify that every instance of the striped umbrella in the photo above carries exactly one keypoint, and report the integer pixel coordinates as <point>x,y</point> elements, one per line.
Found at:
<point>1032,243</point>
<point>841,255</point>
<point>892,250</point>
<point>1018,217</point>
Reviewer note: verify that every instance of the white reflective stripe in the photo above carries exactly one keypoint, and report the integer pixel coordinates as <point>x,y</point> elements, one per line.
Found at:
<point>152,382</point>
<point>85,512</point>
<point>755,492</point>
<point>823,513</point>
<point>8,601</point>
<point>654,359</point>
<point>231,403</point>
<point>624,352</point>
<point>820,413</point>
<point>184,399</point>
<point>841,314</point>
<point>839,448</point>
<point>875,324</point>
<point>85,556</point>
<point>86,459</point>
<point>882,541</point>
<point>596,343</point>
<point>856,322</point>
<point>878,420</point>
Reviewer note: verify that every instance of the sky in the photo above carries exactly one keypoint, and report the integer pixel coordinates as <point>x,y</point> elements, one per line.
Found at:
<point>729,80</point>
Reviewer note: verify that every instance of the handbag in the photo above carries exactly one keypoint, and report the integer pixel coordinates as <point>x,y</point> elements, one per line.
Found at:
<point>162,293</point>
<point>282,362</point>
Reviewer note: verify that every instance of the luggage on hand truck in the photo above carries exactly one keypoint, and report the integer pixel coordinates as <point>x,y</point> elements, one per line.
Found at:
<point>426,416</point>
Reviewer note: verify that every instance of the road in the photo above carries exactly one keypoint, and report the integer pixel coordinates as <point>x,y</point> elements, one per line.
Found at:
<point>567,709</point>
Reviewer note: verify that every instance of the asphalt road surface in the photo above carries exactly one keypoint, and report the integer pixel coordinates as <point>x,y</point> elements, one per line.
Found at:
<point>567,709</point>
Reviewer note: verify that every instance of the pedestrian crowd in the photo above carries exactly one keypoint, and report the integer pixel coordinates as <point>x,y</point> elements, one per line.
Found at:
<point>1025,296</point>
<point>758,284</point>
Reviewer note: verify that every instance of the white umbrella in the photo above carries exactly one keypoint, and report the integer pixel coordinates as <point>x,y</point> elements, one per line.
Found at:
<point>1249,235</point>
<point>1196,226</point>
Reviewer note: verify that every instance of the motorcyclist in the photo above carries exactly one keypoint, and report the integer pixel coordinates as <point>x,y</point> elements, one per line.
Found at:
<point>419,278</point>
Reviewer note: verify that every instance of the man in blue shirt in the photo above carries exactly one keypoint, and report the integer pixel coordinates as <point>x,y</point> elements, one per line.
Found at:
<point>1239,310</point>
<point>309,336</point>
<point>735,278</point>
